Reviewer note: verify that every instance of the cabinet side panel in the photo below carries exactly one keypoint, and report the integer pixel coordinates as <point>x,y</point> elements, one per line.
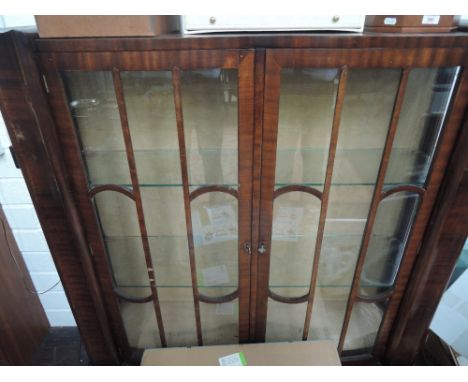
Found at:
<point>442,244</point>
<point>30,127</point>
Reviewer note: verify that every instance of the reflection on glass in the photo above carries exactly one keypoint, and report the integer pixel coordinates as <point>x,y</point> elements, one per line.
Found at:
<point>307,102</point>
<point>390,233</point>
<point>214,222</point>
<point>178,315</point>
<point>328,311</point>
<point>150,108</point>
<point>423,112</point>
<point>220,323</point>
<point>209,102</point>
<point>367,109</point>
<point>170,260</point>
<point>139,320</point>
<point>295,222</point>
<point>93,107</point>
<point>364,325</point>
<point>285,322</point>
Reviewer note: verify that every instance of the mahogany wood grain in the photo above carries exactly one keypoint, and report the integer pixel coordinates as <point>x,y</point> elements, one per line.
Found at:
<point>297,188</point>
<point>268,160</point>
<point>245,162</point>
<point>207,189</point>
<point>23,322</point>
<point>160,60</point>
<point>403,188</point>
<point>374,204</point>
<point>325,195</point>
<point>39,153</point>
<point>138,201</point>
<point>219,299</point>
<point>111,187</point>
<point>186,191</point>
<point>287,300</point>
<point>370,58</point>
<point>259,80</point>
<point>295,40</point>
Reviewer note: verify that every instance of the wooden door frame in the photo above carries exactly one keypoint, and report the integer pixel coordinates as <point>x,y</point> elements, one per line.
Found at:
<point>345,59</point>
<point>243,60</point>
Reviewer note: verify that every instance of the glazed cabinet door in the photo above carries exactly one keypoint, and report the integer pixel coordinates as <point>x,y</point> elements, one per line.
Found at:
<point>355,143</point>
<point>159,148</point>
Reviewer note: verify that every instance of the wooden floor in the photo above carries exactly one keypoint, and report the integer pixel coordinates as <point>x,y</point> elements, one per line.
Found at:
<point>61,347</point>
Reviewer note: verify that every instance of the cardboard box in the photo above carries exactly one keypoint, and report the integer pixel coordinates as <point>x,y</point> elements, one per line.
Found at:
<point>301,353</point>
<point>104,26</point>
<point>411,24</point>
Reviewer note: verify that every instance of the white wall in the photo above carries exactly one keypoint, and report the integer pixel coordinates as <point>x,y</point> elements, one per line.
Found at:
<point>22,218</point>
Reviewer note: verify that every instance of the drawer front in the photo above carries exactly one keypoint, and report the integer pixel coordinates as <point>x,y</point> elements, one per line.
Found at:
<point>215,23</point>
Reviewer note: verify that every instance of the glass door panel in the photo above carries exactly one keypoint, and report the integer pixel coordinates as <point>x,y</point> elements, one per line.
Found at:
<point>364,326</point>
<point>307,102</point>
<point>215,234</point>
<point>295,220</point>
<point>210,107</point>
<point>422,116</point>
<point>160,149</point>
<point>391,229</point>
<point>360,143</point>
<point>362,140</point>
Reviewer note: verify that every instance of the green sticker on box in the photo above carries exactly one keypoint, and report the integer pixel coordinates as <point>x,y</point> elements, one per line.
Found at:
<point>236,359</point>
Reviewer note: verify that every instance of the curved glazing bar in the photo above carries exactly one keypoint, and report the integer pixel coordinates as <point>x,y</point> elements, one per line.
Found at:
<point>219,299</point>
<point>294,231</point>
<point>111,187</point>
<point>287,300</point>
<point>297,187</point>
<point>215,239</point>
<point>390,233</point>
<point>207,189</point>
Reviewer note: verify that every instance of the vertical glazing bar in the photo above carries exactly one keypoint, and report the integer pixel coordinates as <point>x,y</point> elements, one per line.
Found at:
<point>138,201</point>
<point>185,182</point>
<point>326,192</point>
<point>374,204</point>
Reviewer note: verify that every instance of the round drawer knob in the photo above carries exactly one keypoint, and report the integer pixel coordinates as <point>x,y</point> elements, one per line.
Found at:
<point>336,18</point>
<point>212,20</point>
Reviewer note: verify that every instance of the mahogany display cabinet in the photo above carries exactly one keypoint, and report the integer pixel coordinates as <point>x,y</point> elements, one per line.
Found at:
<point>242,188</point>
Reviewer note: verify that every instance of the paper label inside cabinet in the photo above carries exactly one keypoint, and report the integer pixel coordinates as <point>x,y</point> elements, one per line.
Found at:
<point>390,20</point>
<point>212,276</point>
<point>431,20</point>
<point>214,224</point>
<point>236,359</point>
<point>287,222</point>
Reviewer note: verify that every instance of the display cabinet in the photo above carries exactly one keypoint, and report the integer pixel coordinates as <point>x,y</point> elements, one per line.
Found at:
<point>232,189</point>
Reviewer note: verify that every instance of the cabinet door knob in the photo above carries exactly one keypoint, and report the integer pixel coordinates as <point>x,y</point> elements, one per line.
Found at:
<point>262,248</point>
<point>247,248</point>
<point>212,20</point>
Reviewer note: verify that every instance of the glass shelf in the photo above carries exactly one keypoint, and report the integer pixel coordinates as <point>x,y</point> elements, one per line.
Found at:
<point>161,168</point>
<point>170,255</point>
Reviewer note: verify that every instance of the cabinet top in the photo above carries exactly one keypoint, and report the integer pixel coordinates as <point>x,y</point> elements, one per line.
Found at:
<point>256,40</point>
